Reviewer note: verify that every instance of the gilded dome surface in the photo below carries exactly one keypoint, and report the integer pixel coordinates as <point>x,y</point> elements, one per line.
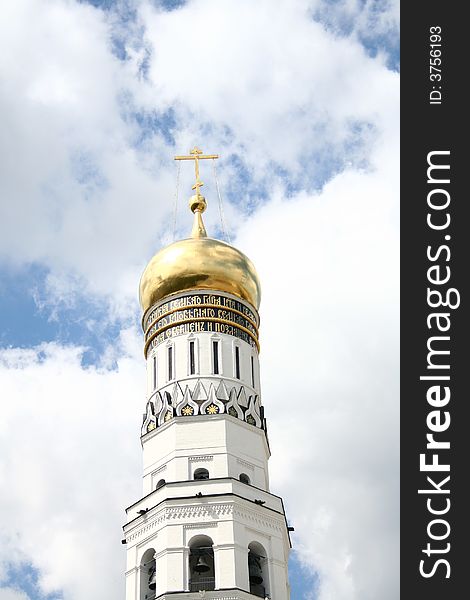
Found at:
<point>199,263</point>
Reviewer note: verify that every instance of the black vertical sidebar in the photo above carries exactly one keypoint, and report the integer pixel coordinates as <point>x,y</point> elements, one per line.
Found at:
<point>434,119</point>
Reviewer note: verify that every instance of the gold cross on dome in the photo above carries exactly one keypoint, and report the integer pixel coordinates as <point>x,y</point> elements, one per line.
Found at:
<point>196,154</point>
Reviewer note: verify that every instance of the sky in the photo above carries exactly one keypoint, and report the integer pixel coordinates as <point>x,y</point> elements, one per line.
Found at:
<point>300,100</point>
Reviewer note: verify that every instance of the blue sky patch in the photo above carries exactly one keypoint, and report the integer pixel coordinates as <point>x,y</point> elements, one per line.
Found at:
<point>302,581</point>
<point>25,578</point>
<point>28,318</point>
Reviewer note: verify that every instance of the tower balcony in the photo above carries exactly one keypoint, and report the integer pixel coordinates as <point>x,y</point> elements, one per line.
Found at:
<point>202,491</point>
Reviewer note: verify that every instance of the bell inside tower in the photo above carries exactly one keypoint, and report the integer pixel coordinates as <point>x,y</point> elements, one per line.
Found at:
<point>258,571</point>
<point>148,575</point>
<point>201,564</point>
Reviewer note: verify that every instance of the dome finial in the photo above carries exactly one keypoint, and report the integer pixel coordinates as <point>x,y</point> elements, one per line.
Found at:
<point>197,202</point>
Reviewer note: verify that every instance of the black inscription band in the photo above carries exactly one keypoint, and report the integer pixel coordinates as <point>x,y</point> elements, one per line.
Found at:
<point>197,327</point>
<point>200,313</point>
<point>186,314</point>
<point>199,299</point>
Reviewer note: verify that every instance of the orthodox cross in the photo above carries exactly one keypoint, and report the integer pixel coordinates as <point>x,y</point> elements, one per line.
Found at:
<point>196,155</point>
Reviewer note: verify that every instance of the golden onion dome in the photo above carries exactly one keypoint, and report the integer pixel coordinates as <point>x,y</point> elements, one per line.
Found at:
<point>199,262</point>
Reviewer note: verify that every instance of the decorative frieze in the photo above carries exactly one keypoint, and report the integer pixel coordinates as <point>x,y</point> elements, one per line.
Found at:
<point>201,511</point>
<point>142,530</point>
<point>235,400</point>
<point>199,525</point>
<point>203,457</point>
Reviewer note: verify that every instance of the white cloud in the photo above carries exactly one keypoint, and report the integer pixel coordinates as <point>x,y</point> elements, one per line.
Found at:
<point>330,372</point>
<point>371,19</point>
<point>281,83</point>
<point>71,182</point>
<point>70,463</point>
<point>82,200</point>
<point>7,593</point>
<point>286,89</point>
<point>329,366</point>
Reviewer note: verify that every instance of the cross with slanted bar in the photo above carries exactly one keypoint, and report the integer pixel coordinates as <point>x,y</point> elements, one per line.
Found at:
<point>196,155</point>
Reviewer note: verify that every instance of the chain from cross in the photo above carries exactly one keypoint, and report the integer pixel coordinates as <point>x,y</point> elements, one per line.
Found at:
<point>196,155</point>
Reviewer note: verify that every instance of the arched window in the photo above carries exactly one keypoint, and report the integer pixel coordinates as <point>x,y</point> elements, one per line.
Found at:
<point>244,478</point>
<point>170,363</point>
<point>192,358</point>
<point>201,474</point>
<point>201,564</point>
<point>258,570</point>
<point>215,357</point>
<point>148,572</point>
<point>160,484</point>
<point>237,362</point>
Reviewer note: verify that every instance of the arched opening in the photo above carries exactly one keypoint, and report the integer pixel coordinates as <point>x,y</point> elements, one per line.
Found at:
<point>160,484</point>
<point>201,474</point>
<point>215,357</point>
<point>237,362</point>
<point>201,564</point>
<point>148,580</point>
<point>258,570</point>
<point>192,357</point>
<point>244,478</point>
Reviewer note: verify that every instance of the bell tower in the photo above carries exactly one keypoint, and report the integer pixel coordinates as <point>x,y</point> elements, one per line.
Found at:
<point>207,524</point>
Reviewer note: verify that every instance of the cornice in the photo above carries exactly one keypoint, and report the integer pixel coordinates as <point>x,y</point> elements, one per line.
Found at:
<point>234,509</point>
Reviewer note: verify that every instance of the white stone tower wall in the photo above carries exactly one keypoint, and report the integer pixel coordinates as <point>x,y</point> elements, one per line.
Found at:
<point>232,525</point>
<point>158,360</point>
<point>204,420</point>
<point>224,446</point>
